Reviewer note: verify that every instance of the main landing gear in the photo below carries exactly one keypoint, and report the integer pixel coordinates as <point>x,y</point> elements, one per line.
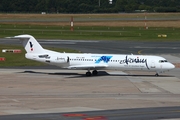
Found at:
<point>94,72</point>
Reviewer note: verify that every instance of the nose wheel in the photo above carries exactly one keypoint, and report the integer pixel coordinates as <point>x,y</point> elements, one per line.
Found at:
<point>157,74</point>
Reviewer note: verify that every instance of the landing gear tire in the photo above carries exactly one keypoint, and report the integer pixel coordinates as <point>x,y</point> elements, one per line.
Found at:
<point>94,72</point>
<point>88,73</point>
<point>157,74</point>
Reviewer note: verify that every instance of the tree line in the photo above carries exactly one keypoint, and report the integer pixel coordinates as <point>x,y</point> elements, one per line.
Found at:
<point>88,6</point>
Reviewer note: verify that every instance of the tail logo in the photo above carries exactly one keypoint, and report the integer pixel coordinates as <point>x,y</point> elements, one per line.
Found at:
<point>31,46</point>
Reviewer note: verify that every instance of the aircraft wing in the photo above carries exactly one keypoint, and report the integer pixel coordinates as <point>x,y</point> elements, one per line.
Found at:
<point>90,66</point>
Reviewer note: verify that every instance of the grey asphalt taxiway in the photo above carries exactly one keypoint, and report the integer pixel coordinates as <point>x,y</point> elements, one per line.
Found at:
<point>114,47</point>
<point>56,94</point>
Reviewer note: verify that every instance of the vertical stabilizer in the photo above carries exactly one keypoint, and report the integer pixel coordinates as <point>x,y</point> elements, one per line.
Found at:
<point>30,44</point>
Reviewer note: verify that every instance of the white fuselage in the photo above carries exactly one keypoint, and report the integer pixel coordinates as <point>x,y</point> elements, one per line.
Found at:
<point>92,61</point>
<point>103,61</point>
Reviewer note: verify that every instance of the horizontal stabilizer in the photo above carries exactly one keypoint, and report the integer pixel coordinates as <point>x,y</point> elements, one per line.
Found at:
<point>30,43</point>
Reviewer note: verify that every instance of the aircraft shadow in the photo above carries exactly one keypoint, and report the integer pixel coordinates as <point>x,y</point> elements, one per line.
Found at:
<point>34,72</point>
<point>100,74</point>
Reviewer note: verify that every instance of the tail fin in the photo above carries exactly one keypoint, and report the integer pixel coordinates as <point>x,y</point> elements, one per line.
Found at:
<point>30,44</point>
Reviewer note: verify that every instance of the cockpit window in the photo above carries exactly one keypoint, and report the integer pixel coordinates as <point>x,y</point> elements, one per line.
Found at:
<point>162,61</point>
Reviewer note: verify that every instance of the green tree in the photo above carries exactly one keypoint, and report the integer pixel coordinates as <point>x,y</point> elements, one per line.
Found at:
<point>41,6</point>
<point>88,6</point>
<point>120,5</point>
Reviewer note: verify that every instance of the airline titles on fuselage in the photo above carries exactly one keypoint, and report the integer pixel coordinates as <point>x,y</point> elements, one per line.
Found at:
<point>128,61</point>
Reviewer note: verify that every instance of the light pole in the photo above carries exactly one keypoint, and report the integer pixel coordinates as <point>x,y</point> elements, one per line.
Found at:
<point>110,1</point>
<point>99,3</point>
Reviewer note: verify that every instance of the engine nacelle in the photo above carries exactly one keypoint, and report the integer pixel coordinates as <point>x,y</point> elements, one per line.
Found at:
<point>56,60</point>
<point>61,60</point>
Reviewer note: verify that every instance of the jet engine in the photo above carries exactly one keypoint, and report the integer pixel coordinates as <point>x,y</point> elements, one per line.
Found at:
<point>58,59</point>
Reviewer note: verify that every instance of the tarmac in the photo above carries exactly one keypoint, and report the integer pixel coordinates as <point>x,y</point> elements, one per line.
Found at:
<point>30,91</point>
<point>43,92</point>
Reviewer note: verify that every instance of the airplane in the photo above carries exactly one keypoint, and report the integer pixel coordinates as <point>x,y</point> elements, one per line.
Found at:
<point>93,62</point>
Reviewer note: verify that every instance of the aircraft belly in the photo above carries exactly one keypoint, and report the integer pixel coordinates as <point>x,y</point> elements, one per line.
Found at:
<point>128,66</point>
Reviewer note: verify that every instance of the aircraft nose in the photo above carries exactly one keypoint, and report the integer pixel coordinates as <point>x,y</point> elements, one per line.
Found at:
<point>171,66</point>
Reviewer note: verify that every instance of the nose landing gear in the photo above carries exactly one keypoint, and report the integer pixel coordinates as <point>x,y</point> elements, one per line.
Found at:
<point>157,74</point>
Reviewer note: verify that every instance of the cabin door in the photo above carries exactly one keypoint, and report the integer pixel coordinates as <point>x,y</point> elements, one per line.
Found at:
<point>153,64</point>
